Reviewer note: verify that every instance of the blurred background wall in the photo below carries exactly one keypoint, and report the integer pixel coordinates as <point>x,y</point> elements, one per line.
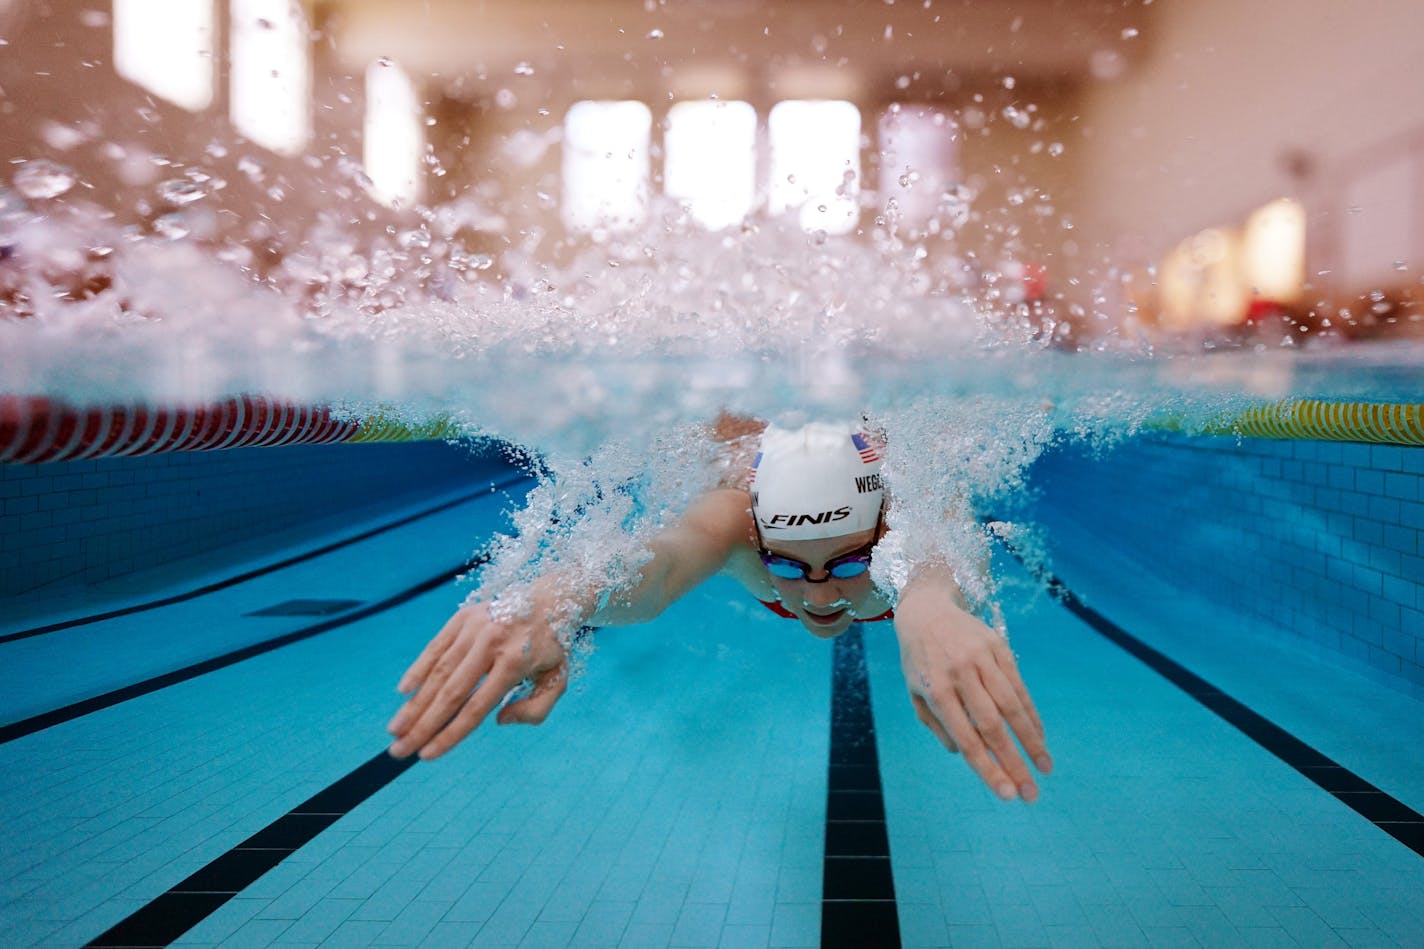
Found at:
<point>1146,167</point>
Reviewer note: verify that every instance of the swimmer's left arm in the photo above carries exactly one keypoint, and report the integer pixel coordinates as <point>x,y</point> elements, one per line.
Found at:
<point>965,684</point>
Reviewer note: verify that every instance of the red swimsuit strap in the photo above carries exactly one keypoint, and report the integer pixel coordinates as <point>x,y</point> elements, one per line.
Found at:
<point>783,612</point>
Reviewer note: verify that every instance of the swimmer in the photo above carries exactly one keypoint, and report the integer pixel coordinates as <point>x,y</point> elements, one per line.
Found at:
<point>799,537</point>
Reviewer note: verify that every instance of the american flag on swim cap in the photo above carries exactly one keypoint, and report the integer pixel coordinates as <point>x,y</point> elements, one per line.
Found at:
<point>755,464</point>
<point>867,454</point>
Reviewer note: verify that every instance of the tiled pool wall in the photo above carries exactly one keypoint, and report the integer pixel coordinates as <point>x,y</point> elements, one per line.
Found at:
<point>1320,541</point>
<point>79,522</point>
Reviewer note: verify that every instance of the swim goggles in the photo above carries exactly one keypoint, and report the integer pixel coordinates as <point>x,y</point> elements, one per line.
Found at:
<point>847,565</point>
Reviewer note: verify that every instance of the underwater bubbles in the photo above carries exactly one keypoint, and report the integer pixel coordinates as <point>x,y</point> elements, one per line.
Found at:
<point>41,179</point>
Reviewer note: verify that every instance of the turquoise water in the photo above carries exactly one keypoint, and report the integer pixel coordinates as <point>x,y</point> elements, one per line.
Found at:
<point>683,794</point>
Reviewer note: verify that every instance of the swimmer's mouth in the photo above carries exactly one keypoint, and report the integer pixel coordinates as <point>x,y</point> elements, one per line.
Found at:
<point>824,619</point>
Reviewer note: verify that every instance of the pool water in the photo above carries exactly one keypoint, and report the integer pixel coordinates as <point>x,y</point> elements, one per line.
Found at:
<point>691,791</point>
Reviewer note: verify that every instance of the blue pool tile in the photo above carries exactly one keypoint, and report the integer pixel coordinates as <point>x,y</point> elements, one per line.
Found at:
<point>393,896</point>
<point>1266,937</point>
<point>448,933</point>
<point>478,902</point>
<point>911,851</point>
<point>257,933</point>
<point>321,920</point>
<point>625,882</point>
<point>508,924</point>
<point>1366,939</point>
<point>660,903</point>
<point>921,924</point>
<point>699,924</point>
<point>365,881</point>
<point>1405,487</point>
<point>966,907</point>
<point>915,884</point>
<point>647,936</point>
<point>744,937</point>
<point>298,899</point>
<point>753,902</point>
<point>1170,937</point>
<point>796,925</point>
<point>974,937</point>
<point>575,894</point>
<point>1018,925</point>
<point>1071,937</point>
<point>355,934</point>
<point>1056,905</point>
<point>414,923</point>
<point>1003,885</point>
<point>548,935</point>
<point>713,882</point>
<point>606,924</point>
<point>28,931</point>
<point>799,884</point>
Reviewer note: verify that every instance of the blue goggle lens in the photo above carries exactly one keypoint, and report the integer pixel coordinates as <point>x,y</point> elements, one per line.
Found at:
<point>785,569</point>
<point>796,570</point>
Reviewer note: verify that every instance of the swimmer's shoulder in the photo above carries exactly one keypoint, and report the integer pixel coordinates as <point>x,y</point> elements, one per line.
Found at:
<point>732,507</point>
<point>737,439</point>
<point>724,516</point>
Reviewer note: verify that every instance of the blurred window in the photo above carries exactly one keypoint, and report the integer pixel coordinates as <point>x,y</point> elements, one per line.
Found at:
<point>1201,282</point>
<point>919,155</point>
<point>271,74</point>
<point>815,162</point>
<point>710,160</point>
<point>166,46</point>
<point>606,165</point>
<point>1273,251</point>
<point>394,138</point>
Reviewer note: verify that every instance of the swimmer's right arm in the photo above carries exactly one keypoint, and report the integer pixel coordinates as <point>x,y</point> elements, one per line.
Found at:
<point>684,555</point>
<point>476,659</point>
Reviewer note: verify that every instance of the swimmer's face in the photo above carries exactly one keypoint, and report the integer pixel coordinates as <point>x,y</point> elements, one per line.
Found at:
<point>826,608</point>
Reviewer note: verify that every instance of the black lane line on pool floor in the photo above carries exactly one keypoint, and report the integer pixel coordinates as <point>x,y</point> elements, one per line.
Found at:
<point>163,920</point>
<point>35,723</point>
<point>1385,811</point>
<point>858,888</point>
<point>261,571</point>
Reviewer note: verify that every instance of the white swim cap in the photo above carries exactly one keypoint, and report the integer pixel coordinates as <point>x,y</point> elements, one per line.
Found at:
<point>818,481</point>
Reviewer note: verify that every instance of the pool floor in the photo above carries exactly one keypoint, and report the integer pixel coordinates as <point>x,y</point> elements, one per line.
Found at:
<point>678,796</point>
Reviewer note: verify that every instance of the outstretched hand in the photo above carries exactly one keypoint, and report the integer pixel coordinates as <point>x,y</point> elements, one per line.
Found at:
<point>966,688</point>
<point>468,669</point>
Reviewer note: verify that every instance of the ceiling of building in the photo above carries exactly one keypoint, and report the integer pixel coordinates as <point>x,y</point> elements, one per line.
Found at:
<point>863,49</point>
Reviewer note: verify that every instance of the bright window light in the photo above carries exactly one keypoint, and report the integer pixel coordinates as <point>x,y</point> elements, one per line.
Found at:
<point>166,46</point>
<point>815,162</point>
<point>271,74</point>
<point>1273,251</point>
<point>709,160</point>
<point>606,165</point>
<point>918,160</point>
<point>394,138</point>
<point>1201,282</point>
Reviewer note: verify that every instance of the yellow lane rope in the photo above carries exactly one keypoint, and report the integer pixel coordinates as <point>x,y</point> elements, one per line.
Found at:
<point>1382,423</point>
<point>386,428</point>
